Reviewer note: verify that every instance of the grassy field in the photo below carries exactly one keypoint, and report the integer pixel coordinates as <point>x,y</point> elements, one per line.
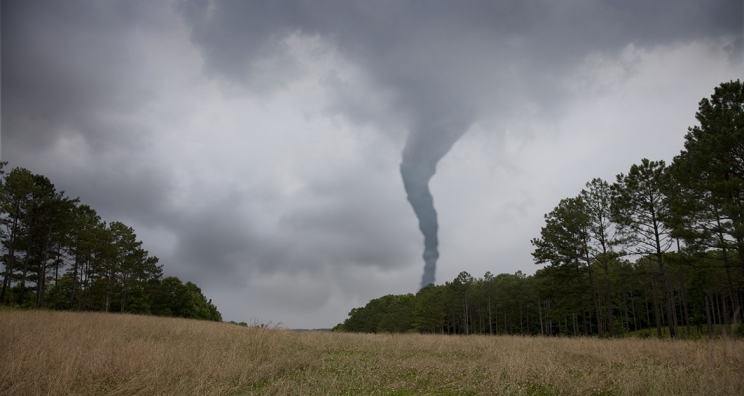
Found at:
<point>45,352</point>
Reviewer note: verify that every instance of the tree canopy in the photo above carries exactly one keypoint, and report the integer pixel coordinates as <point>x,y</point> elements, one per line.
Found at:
<point>662,247</point>
<point>59,254</point>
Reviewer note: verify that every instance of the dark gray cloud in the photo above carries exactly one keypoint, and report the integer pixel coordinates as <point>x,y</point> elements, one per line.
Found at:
<point>344,222</point>
<point>69,65</point>
<point>71,76</point>
<point>442,54</point>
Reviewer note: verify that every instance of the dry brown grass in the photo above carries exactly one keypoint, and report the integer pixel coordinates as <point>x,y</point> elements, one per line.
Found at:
<point>90,353</point>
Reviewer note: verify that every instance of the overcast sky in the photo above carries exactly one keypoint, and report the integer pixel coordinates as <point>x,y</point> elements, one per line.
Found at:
<point>255,146</point>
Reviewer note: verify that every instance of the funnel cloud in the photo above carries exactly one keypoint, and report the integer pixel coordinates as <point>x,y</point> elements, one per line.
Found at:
<point>423,150</point>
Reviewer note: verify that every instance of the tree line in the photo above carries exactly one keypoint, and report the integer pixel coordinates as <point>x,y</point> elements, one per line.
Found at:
<point>661,250</point>
<point>59,254</point>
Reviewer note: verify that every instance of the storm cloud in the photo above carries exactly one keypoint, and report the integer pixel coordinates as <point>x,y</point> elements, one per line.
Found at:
<point>257,147</point>
<point>443,62</point>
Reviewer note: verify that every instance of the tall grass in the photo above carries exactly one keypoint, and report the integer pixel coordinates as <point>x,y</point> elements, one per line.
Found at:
<point>93,353</point>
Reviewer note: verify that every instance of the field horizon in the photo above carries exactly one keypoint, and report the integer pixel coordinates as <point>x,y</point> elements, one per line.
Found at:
<point>55,352</point>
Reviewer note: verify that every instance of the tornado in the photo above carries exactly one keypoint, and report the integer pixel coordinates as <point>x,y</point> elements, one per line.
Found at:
<point>425,146</point>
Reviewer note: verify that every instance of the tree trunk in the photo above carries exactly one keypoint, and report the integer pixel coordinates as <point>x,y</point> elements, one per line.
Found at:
<point>627,314</point>
<point>521,327</point>
<point>496,317</point>
<point>85,290</point>
<point>648,311</point>
<point>684,304</point>
<point>9,266</point>
<point>632,306</point>
<point>490,320</point>
<point>587,331</point>
<point>24,273</point>
<point>57,262</point>
<point>726,317</point>
<point>727,265</point>
<point>539,312</point>
<point>610,314</point>
<point>75,266</point>
<point>41,280</point>
<point>669,301</point>
<point>109,288</point>
<point>595,297</point>
<point>656,310</point>
<point>123,298</point>
<point>8,275</point>
<point>575,325</point>
<point>465,316</point>
<point>707,317</point>
<point>674,319</point>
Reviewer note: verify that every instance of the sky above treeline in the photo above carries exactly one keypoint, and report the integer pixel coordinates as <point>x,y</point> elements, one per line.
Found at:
<point>255,146</point>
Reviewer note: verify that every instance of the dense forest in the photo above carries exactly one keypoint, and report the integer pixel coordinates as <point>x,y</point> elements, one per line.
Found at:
<point>660,251</point>
<point>58,254</point>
